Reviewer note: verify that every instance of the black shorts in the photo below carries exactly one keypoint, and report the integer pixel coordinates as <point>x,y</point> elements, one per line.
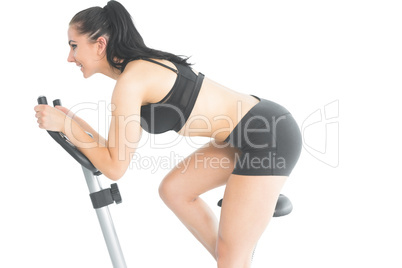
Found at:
<point>269,140</point>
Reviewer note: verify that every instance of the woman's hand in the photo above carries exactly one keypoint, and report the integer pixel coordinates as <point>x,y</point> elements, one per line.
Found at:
<point>50,118</point>
<point>65,111</point>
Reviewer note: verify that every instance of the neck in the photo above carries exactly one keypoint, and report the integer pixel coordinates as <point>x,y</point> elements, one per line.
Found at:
<point>111,72</point>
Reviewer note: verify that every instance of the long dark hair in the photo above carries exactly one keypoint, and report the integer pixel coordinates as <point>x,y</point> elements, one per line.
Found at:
<point>125,44</point>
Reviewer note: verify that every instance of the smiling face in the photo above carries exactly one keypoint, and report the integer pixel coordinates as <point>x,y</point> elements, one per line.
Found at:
<point>89,55</point>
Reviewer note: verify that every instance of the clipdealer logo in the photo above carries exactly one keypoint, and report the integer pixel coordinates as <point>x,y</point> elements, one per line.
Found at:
<point>320,131</point>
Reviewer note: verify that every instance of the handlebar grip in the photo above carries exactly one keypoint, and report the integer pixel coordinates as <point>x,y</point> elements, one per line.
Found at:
<point>61,139</point>
<point>57,102</point>
<point>42,100</point>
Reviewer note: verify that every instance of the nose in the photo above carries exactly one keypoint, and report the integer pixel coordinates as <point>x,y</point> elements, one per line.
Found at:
<point>71,56</point>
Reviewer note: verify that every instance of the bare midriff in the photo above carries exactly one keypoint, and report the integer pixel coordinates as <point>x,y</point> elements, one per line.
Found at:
<point>217,111</point>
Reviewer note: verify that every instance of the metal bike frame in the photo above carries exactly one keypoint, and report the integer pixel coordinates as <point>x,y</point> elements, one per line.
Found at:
<point>106,223</point>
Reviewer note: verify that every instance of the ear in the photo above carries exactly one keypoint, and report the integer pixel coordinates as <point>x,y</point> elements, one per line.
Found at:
<point>101,45</point>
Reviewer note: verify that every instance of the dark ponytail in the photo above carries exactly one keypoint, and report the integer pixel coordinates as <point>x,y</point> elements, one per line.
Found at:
<point>125,43</point>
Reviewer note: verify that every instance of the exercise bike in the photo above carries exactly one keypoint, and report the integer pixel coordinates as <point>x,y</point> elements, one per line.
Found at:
<point>102,198</point>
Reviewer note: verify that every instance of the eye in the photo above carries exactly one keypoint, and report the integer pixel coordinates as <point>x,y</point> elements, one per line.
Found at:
<point>73,47</point>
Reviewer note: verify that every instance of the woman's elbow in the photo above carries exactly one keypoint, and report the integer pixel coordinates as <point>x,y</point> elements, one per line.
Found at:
<point>114,177</point>
<point>115,173</point>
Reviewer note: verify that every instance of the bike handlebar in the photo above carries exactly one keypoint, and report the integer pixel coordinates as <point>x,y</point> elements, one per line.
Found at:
<point>62,139</point>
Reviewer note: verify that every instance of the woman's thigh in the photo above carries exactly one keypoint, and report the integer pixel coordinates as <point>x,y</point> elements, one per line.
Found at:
<point>248,205</point>
<point>207,168</point>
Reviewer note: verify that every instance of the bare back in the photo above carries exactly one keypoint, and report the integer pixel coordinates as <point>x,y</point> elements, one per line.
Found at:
<point>216,111</point>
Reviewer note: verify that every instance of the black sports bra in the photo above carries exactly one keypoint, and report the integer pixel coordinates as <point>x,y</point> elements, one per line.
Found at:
<point>172,112</point>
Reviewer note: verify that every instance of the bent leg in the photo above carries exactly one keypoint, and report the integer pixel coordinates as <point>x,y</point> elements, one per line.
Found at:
<point>195,175</point>
<point>249,204</point>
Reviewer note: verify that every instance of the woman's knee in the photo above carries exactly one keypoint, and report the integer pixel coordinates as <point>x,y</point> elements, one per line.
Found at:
<point>166,189</point>
<point>171,191</point>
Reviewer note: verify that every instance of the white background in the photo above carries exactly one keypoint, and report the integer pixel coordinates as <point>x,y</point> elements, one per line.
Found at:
<point>302,54</point>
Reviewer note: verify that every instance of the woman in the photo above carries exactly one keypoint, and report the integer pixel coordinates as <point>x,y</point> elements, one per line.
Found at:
<point>253,153</point>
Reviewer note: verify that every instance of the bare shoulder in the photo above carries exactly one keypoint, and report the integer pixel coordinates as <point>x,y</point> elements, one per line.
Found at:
<point>132,84</point>
<point>145,70</point>
<point>154,80</point>
<point>136,72</point>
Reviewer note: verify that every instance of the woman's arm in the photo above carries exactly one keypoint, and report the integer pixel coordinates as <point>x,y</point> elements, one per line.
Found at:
<point>84,125</point>
<point>124,133</point>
